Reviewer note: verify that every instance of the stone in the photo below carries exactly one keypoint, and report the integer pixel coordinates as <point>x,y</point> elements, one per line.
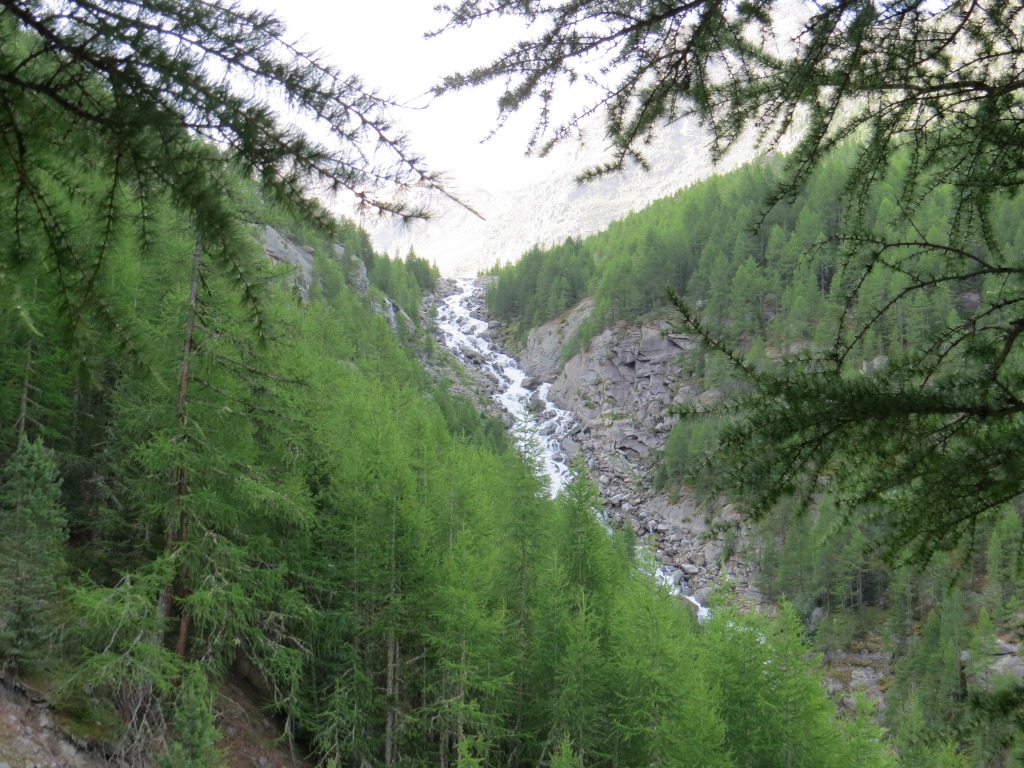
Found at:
<point>636,446</point>
<point>712,552</point>
<point>690,569</point>
<point>1004,648</point>
<point>470,354</point>
<point>536,403</point>
<point>654,343</point>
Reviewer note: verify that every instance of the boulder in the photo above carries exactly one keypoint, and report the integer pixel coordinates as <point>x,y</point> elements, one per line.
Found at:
<point>536,402</point>
<point>544,345</point>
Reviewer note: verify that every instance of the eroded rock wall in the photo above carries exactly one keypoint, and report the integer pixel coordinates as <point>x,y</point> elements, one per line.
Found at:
<point>621,389</point>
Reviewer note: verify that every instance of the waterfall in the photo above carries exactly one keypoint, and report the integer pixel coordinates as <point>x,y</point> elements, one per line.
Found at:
<point>539,425</point>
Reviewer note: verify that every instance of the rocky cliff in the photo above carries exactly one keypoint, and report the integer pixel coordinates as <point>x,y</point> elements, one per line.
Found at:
<point>620,389</point>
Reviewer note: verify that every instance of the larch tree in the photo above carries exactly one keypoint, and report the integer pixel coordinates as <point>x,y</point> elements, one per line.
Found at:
<point>33,531</point>
<point>111,106</point>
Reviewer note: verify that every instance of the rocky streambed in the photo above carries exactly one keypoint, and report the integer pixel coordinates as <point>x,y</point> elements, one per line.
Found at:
<point>610,403</point>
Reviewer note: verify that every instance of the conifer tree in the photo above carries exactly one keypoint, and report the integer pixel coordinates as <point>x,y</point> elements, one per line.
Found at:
<point>566,756</point>
<point>984,736</point>
<point>196,734</point>
<point>33,531</point>
<point>867,745</point>
<point>115,105</point>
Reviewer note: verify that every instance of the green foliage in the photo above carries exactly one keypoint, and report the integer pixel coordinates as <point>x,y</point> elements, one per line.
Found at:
<point>890,267</point>
<point>276,483</point>
<point>1002,567</point>
<point>940,83</point>
<point>686,447</point>
<point>866,739</point>
<point>33,530</point>
<point>112,115</point>
<point>775,710</point>
<point>541,284</point>
<point>565,757</point>
<point>193,725</point>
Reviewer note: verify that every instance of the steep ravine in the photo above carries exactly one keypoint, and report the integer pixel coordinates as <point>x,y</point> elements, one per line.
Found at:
<point>618,392</point>
<point>620,388</point>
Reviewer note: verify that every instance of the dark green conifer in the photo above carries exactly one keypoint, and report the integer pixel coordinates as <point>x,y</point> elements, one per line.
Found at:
<point>194,745</point>
<point>33,531</point>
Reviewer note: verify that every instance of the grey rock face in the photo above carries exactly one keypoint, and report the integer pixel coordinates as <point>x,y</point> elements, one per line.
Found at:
<point>544,344</point>
<point>620,388</point>
<point>281,250</point>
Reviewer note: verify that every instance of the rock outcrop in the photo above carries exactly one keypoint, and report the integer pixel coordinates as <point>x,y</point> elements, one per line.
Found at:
<point>540,357</point>
<point>620,389</point>
<point>622,384</point>
<point>280,249</point>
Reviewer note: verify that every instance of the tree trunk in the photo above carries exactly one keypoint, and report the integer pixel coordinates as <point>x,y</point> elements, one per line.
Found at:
<point>178,523</point>
<point>22,421</point>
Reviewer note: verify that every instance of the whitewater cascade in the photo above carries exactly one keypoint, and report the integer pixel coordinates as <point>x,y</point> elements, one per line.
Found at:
<point>539,425</point>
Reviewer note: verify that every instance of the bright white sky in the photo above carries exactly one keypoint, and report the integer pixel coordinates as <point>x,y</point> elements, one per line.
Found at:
<point>382,42</point>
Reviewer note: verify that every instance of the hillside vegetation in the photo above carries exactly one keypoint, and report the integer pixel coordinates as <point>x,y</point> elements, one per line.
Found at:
<point>781,285</point>
<point>303,498</point>
<point>205,475</point>
<point>212,470</point>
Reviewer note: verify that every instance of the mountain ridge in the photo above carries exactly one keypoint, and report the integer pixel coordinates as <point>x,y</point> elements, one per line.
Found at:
<point>498,227</point>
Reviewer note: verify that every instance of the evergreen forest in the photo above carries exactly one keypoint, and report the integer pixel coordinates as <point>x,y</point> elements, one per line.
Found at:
<point>220,467</point>
<point>776,284</point>
<point>215,468</point>
<point>302,500</point>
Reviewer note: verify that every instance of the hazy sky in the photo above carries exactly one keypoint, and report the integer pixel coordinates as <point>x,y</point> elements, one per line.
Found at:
<point>382,41</point>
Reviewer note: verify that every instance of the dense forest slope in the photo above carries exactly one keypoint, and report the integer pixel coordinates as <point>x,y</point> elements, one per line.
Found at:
<point>223,463</point>
<point>941,635</point>
<point>298,501</point>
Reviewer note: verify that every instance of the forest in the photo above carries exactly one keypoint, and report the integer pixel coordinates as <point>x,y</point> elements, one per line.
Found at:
<point>777,286</point>
<point>301,495</point>
<point>211,468</point>
<point>214,468</point>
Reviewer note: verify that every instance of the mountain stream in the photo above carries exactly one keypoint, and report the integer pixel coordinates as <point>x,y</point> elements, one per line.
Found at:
<point>539,425</point>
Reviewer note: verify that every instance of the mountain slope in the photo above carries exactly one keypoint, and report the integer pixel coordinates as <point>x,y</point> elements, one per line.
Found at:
<point>552,205</point>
